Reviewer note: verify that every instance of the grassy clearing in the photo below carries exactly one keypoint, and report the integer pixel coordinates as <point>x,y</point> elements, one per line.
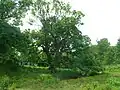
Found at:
<point>41,79</point>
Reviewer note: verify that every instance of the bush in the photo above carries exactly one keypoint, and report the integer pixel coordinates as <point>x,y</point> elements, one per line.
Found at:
<point>5,82</point>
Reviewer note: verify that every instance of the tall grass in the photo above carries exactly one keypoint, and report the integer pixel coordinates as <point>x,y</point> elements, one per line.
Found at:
<point>42,79</point>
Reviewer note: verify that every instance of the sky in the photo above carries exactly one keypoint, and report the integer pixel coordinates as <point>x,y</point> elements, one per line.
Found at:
<point>102,18</point>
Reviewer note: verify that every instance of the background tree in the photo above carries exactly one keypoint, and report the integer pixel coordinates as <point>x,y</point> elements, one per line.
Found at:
<point>112,55</point>
<point>103,46</point>
<point>118,50</point>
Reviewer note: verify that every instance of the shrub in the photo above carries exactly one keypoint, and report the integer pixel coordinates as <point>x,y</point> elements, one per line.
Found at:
<point>5,82</point>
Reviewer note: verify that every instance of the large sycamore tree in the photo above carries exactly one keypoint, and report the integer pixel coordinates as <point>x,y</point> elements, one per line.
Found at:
<point>59,38</point>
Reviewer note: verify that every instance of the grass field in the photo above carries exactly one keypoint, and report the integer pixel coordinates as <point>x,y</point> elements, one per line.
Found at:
<point>41,79</point>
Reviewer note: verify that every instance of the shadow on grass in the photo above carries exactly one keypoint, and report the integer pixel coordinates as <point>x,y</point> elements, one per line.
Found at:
<point>65,74</point>
<point>23,71</point>
<point>35,72</point>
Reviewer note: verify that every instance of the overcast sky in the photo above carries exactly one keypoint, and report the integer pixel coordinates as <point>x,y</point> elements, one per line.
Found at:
<point>102,18</point>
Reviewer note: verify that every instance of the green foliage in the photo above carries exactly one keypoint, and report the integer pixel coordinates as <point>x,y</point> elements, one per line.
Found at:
<point>11,45</point>
<point>118,51</point>
<point>112,55</point>
<point>87,63</point>
<point>59,39</point>
<point>11,39</point>
<point>58,43</point>
<point>114,81</point>
<point>12,11</point>
<point>5,83</point>
<point>103,46</point>
<point>105,53</point>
